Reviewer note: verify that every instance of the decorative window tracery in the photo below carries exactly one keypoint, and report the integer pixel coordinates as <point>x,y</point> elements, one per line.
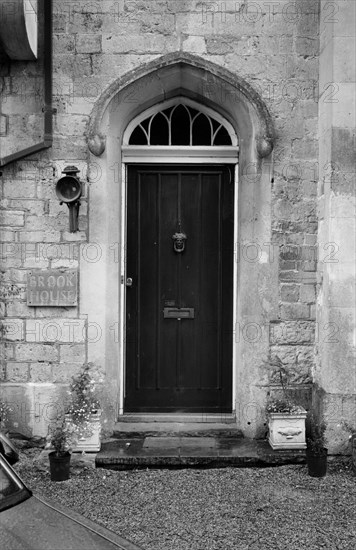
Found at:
<point>181,123</point>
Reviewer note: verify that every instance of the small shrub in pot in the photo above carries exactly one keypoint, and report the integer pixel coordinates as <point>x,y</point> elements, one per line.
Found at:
<point>316,446</point>
<point>60,439</point>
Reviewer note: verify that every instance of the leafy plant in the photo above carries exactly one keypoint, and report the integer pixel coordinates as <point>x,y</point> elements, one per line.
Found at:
<point>60,437</point>
<point>83,401</point>
<point>5,409</point>
<point>283,406</point>
<point>7,290</point>
<point>316,441</point>
<point>286,404</point>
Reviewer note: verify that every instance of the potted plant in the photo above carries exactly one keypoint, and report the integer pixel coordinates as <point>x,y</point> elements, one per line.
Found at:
<point>83,413</point>
<point>59,439</point>
<point>316,446</point>
<point>286,418</point>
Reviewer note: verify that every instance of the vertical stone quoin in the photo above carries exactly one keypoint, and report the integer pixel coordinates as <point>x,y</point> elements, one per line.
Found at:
<point>335,375</point>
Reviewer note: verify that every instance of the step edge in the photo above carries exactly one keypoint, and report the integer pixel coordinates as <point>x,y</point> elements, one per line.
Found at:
<point>200,418</point>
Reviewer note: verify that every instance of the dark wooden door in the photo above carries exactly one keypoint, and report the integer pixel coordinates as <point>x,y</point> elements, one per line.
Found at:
<point>179,307</point>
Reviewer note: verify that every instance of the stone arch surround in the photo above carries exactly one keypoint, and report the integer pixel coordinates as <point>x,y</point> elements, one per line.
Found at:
<point>184,74</point>
<point>167,77</point>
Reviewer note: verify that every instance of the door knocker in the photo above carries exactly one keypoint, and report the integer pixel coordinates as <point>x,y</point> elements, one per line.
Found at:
<point>179,241</point>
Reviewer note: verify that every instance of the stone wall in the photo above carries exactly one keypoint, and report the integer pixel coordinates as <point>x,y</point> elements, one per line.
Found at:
<point>42,346</point>
<point>274,46</point>
<point>335,374</point>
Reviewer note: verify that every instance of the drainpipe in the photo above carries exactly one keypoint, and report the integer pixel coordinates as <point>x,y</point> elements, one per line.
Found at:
<point>48,106</point>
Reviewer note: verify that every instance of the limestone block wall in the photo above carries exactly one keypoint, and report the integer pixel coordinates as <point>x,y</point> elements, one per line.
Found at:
<point>274,46</point>
<point>41,346</point>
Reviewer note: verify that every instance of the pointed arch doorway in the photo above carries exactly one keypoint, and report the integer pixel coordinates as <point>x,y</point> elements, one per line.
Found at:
<point>179,160</point>
<point>175,75</point>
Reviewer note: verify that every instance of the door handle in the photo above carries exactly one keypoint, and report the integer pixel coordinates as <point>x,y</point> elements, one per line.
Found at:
<point>128,281</point>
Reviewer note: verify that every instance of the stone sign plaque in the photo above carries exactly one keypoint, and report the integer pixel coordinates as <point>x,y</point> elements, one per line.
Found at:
<point>52,288</point>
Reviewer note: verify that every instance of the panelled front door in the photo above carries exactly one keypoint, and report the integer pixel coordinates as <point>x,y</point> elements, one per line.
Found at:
<point>179,289</point>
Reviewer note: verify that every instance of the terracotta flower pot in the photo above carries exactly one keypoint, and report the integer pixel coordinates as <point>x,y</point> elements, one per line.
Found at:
<point>317,462</point>
<point>59,466</point>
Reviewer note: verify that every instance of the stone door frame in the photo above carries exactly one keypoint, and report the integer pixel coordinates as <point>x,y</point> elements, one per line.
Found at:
<point>206,83</point>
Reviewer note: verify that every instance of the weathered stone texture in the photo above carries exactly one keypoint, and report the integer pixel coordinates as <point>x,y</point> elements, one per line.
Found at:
<point>27,189</point>
<point>6,351</point>
<point>289,293</point>
<point>307,294</point>
<point>297,363</point>
<point>292,332</point>
<point>275,48</point>
<point>39,236</point>
<point>33,206</point>
<point>2,369</point>
<point>73,352</point>
<point>64,43</point>
<point>16,372</point>
<point>295,311</point>
<point>6,235</point>
<point>12,218</point>
<point>41,372</point>
<point>34,352</point>
<point>63,372</point>
<point>18,309</point>
<point>88,43</point>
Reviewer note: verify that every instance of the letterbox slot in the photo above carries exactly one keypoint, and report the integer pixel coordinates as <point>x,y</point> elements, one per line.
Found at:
<point>178,313</point>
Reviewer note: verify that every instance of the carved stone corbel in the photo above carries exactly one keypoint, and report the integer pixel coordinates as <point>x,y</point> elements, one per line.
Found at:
<point>96,144</point>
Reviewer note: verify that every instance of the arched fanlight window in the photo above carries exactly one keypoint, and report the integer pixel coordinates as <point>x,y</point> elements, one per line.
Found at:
<point>180,124</point>
<point>176,125</point>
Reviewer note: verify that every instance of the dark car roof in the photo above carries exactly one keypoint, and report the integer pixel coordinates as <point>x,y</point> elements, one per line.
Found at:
<point>38,525</point>
<point>33,523</point>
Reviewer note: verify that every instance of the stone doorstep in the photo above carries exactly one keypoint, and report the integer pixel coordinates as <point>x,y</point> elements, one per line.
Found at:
<point>195,452</point>
<point>168,428</point>
<point>189,418</point>
<point>179,442</point>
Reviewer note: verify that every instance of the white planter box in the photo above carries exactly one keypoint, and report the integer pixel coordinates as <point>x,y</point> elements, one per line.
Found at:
<point>92,443</point>
<point>287,431</point>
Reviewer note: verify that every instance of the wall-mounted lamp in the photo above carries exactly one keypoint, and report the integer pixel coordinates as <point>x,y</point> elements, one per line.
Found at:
<point>69,190</point>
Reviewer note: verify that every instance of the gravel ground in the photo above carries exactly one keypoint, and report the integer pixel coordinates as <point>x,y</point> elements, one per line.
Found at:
<point>217,509</point>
